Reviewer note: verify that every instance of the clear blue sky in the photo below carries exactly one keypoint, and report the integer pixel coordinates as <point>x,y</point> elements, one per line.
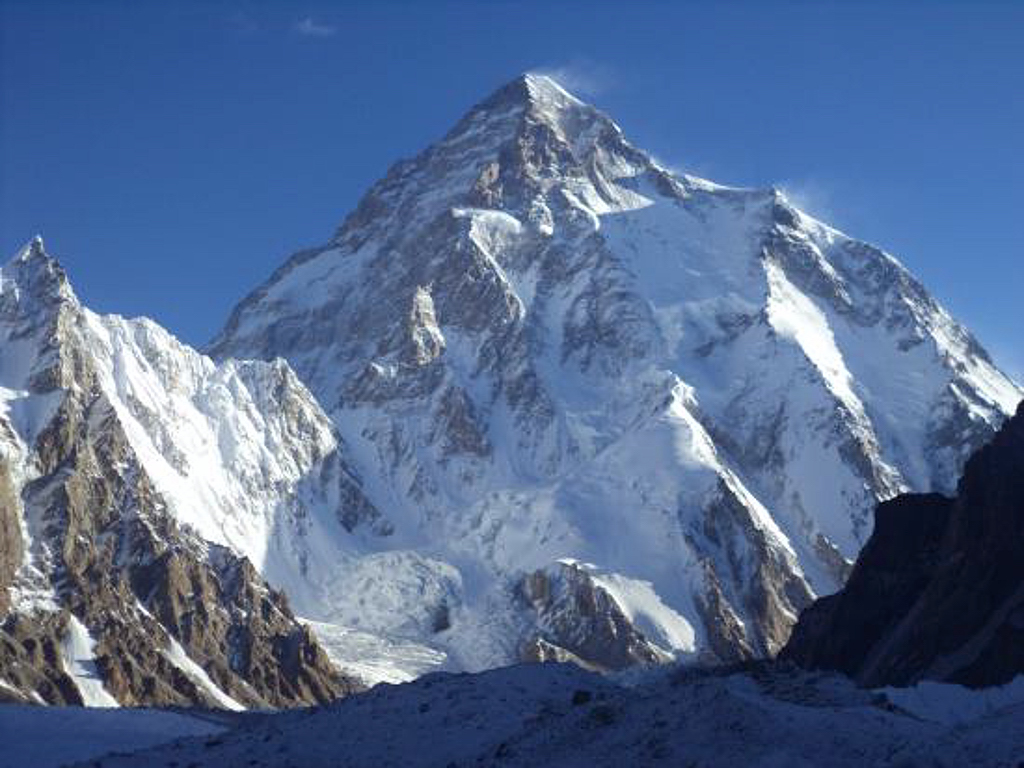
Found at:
<point>173,155</point>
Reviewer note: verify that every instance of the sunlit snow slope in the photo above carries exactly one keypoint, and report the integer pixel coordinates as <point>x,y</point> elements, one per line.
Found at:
<point>135,475</point>
<point>576,384</point>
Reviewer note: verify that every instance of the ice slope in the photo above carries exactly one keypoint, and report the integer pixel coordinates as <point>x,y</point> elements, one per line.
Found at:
<point>77,653</point>
<point>179,658</point>
<point>537,344</point>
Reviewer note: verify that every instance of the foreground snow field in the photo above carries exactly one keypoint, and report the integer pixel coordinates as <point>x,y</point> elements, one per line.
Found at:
<point>47,737</point>
<point>559,715</point>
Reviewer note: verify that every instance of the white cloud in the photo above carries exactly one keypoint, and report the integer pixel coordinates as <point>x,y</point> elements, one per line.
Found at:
<point>579,76</point>
<point>812,197</point>
<point>310,28</point>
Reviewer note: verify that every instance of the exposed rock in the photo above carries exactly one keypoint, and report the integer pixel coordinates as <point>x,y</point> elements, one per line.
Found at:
<point>11,545</point>
<point>938,591</point>
<point>31,663</point>
<point>541,345</point>
<point>579,621</point>
<point>136,580</point>
<point>763,582</point>
<point>108,555</point>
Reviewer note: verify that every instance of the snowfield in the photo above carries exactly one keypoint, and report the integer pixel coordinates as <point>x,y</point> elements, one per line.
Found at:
<point>49,737</point>
<point>559,715</point>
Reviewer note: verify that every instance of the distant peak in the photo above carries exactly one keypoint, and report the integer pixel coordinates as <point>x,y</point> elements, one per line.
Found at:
<point>32,250</point>
<point>546,88</point>
<point>34,271</point>
<point>534,91</point>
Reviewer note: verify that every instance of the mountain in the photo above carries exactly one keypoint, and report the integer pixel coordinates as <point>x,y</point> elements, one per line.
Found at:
<point>603,411</point>
<point>130,466</point>
<point>938,591</point>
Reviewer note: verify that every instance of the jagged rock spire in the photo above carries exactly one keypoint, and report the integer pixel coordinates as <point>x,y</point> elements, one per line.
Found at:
<point>33,276</point>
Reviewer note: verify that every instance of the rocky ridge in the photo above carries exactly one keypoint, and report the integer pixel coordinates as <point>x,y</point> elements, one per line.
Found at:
<point>108,594</point>
<point>938,591</point>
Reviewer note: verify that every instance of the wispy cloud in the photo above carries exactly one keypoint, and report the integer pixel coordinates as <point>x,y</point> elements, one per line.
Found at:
<point>309,27</point>
<point>581,76</point>
<point>1006,354</point>
<point>702,169</point>
<point>812,197</point>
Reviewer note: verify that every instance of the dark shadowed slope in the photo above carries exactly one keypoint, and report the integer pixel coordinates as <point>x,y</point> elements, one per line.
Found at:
<point>938,591</point>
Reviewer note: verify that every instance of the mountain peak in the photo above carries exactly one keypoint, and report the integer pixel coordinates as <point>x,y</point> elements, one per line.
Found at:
<point>536,96</point>
<point>33,272</point>
<point>531,88</point>
<point>34,249</point>
<point>546,88</point>
<point>509,319</point>
<point>32,252</point>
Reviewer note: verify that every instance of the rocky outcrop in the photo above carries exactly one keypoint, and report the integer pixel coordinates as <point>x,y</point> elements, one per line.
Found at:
<point>579,621</point>
<point>938,591</point>
<point>11,544</point>
<point>112,581</point>
<point>31,661</point>
<point>140,584</point>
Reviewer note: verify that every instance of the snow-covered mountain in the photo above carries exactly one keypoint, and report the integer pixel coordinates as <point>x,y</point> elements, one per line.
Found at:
<point>594,409</point>
<point>543,399</point>
<point>135,474</point>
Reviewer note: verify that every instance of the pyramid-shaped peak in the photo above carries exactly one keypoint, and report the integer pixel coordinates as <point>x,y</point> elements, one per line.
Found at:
<point>534,93</point>
<point>33,249</point>
<point>529,99</point>
<point>545,88</point>
<point>34,272</point>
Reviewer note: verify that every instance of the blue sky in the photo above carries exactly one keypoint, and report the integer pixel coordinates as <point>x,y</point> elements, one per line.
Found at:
<point>173,154</point>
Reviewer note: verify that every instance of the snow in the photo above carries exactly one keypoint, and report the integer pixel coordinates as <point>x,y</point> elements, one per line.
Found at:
<point>375,659</point>
<point>552,714</point>
<point>646,611</point>
<point>177,656</point>
<point>794,315</point>
<point>79,662</point>
<point>954,705</point>
<point>48,737</point>
<point>636,349</point>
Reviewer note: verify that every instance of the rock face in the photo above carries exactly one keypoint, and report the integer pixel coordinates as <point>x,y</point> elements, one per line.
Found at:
<point>538,345</point>
<point>938,591</point>
<point>109,594</point>
<point>579,620</point>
